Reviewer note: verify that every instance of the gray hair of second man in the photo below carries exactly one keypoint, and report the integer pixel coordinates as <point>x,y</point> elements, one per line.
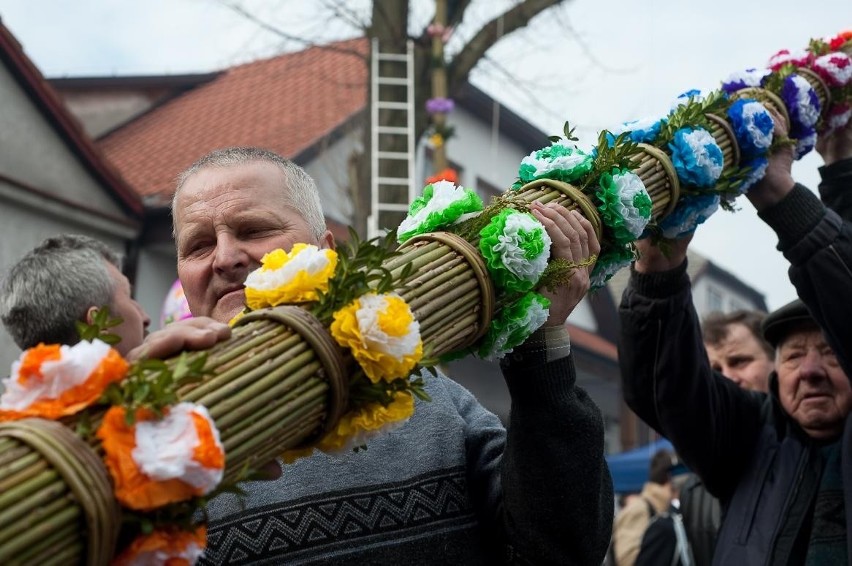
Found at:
<point>53,287</point>
<point>299,189</point>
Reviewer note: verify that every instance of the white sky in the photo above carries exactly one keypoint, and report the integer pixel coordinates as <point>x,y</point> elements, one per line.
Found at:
<point>593,62</point>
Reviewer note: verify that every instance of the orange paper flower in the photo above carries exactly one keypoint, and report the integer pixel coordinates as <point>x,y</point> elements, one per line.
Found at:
<point>171,547</point>
<point>448,174</point>
<point>53,381</point>
<point>157,462</point>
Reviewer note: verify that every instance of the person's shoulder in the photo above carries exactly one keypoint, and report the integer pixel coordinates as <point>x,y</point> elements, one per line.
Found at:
<point>637,507</point>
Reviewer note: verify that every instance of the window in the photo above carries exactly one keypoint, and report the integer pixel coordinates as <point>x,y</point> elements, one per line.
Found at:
<point>714,299</point>
<point>486,190</point>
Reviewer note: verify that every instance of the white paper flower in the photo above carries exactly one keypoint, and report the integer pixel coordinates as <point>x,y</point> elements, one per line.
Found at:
<point>514,255</point>
<point>835,68</point>
<point>308,259</point>
<point>838,118</point>
<point>514,325</point>
<point>164,448</point>
<point>683,99</point>
<point>376,332</point>
<point>749,78</point>
<point>753,126</point>
<point>446,205</point>
<point>697,157</point>
<point>73,368</point>
<point>561,156</point>
<point>805,110</point>
<point>604,270</point>
<point>797,57</point>
<point>629,187</point>
<point>691,212</point>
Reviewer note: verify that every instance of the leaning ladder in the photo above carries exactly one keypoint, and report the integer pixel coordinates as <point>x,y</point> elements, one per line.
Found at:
<point>390,195</point>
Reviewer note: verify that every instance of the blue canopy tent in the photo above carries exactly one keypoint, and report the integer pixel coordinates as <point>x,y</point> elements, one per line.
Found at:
<point>630,469</point>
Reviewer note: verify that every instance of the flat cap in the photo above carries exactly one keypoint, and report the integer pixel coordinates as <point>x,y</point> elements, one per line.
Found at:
<point>779,322</point>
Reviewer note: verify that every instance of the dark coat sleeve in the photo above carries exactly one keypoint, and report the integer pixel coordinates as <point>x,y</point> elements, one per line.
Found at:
<point>557,491</point>
<point>666,379</point>
<point>836,188</point>
<point>658,543</point>
<point>818,244</point>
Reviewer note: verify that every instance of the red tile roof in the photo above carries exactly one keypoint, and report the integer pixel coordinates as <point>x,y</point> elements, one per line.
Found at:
<point>286,104</point>
<point>592,342</point>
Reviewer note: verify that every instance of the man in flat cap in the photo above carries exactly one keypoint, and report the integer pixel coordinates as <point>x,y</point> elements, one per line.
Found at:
<point>775,460</point>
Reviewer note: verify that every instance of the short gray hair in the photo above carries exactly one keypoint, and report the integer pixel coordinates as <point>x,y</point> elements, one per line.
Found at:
<point>53,286</point>
<point>301,195</point>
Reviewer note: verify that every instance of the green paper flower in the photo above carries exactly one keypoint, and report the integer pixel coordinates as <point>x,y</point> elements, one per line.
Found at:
<point>441,204</point>
<point>610,262</point>
<point>561,161</point>
<point>625,205</point>
<point>516,248</point>
<point>513,325</point>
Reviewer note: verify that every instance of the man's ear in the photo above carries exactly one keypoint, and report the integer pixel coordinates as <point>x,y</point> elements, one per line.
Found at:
<point>90,314</point>
<point>327,240</point>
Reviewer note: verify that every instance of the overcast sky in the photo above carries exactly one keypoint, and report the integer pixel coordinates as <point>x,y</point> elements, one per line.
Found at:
<point>593,62</point>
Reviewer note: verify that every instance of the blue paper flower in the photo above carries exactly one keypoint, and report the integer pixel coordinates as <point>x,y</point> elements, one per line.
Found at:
<point>697,157</point>
<point>641,131</point>
<point>753,126</point>
<point>801,101</point>
<point>757,169</point>
<point>691,211</point>
<point>744,79</point>
<point>805,141</point>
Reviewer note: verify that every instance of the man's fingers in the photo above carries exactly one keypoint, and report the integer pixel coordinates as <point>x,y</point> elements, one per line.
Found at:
<point>565,238</point>
<point>192,334</point>
<point>575,220</point>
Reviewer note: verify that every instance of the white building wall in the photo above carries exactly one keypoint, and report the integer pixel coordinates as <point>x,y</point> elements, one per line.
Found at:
<point>712,295</point>
<point>35,154</point>
<point>330,170</point>
<point>475,148</point>
<point>155,274</point>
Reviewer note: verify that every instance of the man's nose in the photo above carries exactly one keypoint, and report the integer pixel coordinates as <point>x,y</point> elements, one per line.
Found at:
<point>229,254</point>
<point>146,320</point>
<point>812,366</point>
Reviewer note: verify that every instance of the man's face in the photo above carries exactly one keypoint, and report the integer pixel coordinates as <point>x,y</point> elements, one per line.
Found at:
<point>134,322</point>
<point>740,358</point>
<point>812,387</point>
<point>226,219</point>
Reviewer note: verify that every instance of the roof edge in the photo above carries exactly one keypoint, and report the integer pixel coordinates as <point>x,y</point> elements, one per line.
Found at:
<point>49,103</point>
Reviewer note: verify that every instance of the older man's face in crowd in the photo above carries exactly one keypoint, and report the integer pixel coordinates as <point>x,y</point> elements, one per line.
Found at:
<point>226,219</point>
<point>812,387</point>
<point>741,358</point>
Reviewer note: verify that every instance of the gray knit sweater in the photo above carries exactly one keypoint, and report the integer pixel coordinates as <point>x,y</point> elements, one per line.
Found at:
<point>448,487</point>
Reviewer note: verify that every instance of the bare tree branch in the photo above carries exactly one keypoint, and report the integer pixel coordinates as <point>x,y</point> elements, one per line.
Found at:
<point>345,13</point>
<point>455,11</point>
<point>519,16</point>
<point>237,8</point>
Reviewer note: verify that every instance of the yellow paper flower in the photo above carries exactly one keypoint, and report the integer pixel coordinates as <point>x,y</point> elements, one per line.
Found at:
<point>382,334</point>
<point>437,140</point>
<point>356,428</point>
<point>293,277</point>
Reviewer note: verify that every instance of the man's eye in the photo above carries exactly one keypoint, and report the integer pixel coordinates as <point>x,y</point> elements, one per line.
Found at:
<point>195,248</point>
<point>257,232</point>
<point>792,355</point>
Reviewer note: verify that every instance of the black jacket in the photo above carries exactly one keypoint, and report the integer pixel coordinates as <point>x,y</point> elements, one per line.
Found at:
<point>748,452</point>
